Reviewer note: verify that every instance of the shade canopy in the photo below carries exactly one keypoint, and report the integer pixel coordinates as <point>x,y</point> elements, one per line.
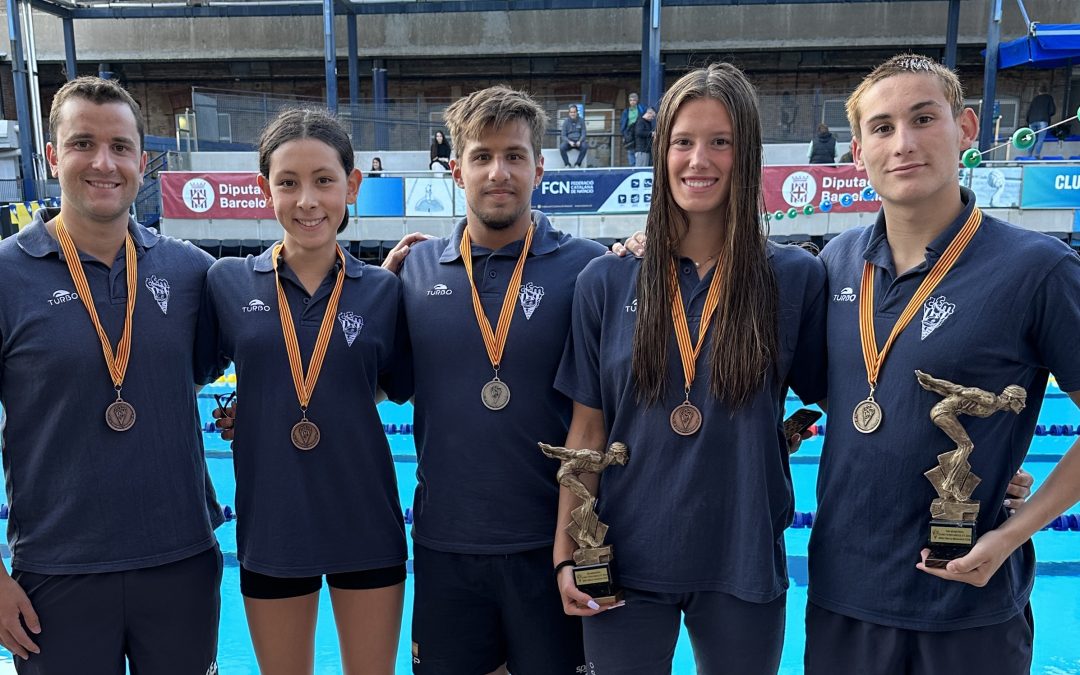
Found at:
<point>1046,46</point>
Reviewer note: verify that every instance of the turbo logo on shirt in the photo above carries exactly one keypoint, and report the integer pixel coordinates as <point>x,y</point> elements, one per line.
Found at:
<point>846,294</point>
<point>59,297</point>
<point>256,305</point>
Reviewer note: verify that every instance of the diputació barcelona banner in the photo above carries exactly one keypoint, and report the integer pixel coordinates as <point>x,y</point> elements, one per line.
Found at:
<point>236,195</point>
<point>221,194</point>
<point>841,188</point>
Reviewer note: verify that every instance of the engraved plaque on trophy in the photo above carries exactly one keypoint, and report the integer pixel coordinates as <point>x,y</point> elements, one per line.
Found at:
<point>593,569</point>
<point>954,512</point>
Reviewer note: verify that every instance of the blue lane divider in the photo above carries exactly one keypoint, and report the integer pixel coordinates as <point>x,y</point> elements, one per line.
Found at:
<point>1069,522</point>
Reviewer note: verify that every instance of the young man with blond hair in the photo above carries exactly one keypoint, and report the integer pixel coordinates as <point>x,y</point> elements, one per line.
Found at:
<point>1006,312</point>
<point>486,498</point>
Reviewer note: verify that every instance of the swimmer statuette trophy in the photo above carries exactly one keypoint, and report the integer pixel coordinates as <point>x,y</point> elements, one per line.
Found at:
<point>592,560</point>
<point>952,529</point>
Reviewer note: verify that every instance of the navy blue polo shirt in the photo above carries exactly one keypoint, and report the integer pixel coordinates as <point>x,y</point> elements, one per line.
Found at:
<point>1007,313</point>
<point>334,508</point>
<point>705,512</point>
<point>483,485</point>
<point>85,498</point>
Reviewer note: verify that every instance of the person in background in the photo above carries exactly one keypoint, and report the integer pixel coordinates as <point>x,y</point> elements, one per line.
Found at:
<point>572,137</point>
<point>634,111</point>
<point>643,138</point>
<point>376,168</point>
<point>1039,114</point>
<point>822,148</point>
<point>440,152</point>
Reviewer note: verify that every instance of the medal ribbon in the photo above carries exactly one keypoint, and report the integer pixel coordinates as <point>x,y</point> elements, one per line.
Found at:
<point>688,352</point>
<point>305,385</point>
<point>871,357</point>
<point>118,364</point>
<point>495,342</point>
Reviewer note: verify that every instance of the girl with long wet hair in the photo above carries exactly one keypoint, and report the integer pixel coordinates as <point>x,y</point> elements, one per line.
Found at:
<point>717,323</point>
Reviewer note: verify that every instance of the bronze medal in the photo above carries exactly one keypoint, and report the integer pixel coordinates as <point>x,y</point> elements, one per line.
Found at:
<point>120,415</point>
<point>305,435</point>
<point>867,416</point>
<point>685,419</point>
<point>495,394</point>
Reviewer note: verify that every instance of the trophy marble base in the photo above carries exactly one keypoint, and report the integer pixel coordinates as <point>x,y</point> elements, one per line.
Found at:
<point>594,574</point>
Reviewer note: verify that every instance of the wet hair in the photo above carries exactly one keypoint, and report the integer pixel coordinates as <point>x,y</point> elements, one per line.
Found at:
<point>906,64</point>
<point>495,107</point>
<point>299,123</point>
<point>95,90</point>
<point>744,328</point>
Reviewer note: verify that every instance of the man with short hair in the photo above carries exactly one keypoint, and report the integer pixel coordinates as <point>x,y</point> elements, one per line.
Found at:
<point>990,305</point>
<point>634,111</point>
<point>573,137</point>
<point>488,313</point>
<point>1039,114</point>
<point>111,513</point>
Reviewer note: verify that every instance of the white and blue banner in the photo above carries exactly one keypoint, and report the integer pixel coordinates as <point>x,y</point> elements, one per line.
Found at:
<point>1051,187</point>
<point>610,192</point>
<point>994,187</point>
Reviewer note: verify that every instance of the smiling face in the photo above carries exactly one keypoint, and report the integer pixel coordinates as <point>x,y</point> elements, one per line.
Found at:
<point>499,172</point>
<point>909,142</point>
<point>439,138</point>
<point>309,190</point>
<point>97,158</point>
<point>700,159</point>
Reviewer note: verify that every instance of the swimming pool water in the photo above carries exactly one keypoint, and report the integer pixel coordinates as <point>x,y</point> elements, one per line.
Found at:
<point>1055,600</point>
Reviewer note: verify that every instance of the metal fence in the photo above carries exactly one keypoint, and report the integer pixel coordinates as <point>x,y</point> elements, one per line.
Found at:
<point>398,124</point>
<point>236,117</point>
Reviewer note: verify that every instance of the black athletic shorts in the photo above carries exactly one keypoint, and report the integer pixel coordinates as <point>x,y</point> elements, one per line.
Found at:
<point>265,587</point>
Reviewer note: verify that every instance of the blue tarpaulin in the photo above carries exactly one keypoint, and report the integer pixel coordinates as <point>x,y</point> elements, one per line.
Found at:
<point>1047,46</point>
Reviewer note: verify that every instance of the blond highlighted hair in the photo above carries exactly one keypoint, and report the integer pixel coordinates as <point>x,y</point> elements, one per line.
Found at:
<point>468,118</point>
<point>906,64</point>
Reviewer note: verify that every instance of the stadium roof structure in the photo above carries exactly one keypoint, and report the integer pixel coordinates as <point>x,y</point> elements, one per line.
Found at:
<point>651,68</point>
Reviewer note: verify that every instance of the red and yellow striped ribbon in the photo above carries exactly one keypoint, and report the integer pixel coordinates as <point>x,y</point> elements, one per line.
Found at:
<point>495,342</point>
<point>305,385</point>
<point>874,359</point>
<point>688,352</point>
<point>118,364</point>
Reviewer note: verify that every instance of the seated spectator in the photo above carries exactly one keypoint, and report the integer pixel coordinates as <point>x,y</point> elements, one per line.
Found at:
<point>376,168</point>
<point>822,148</point>
<point>643,136</point>
<point>573,136</point>
<point>630,116</point>
<point>440,152</point>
